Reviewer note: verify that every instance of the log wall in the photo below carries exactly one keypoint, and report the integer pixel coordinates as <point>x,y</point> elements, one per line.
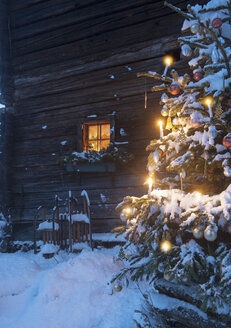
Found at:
<point>6,108</point>
<point>72,59</point>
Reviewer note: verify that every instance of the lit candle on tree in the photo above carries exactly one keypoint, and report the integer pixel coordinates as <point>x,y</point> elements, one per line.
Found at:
<point>161,129</point>
<point>181,181</point>
<point>166,246</point>
<point>150,184</point>
<point>209,102</point>
<point>168,61</point>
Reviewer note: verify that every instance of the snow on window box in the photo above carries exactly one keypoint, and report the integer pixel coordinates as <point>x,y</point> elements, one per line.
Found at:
<point>93,161</point>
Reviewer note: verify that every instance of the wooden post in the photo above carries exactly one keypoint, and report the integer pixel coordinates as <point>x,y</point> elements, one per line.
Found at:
<point>61,231</point>
<point>53,227</point>
<point>87,212</point>
<point>82,231</point>
<point>44,219</point>
<point>65,230</point>
<point>78,231</point>
<point>74,226</point>
<point>35,237</point>
<point>86,231</point>
<point>57,219</point>
<point>70,222</point>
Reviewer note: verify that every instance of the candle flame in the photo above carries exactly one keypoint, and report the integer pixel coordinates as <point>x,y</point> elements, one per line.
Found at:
<point>168,60</point>
<point>160,123</point>
<point>128,210</point>
<point>208,101</point>
<point>166,246</point>
<point>149,181</point>
<point>198,195</point>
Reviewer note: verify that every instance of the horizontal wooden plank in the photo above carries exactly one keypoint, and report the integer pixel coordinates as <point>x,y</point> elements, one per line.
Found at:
<point>69,125</point>
<point>109,42</point>
<point>89,28</point>
<point>82,12</point>
<point>91,79</point>
<point>101,197</point>
<point>40,10</point>
<point>125,56</point>
<point>15,5</point>
<point>42,180</point>
<point>112,91</point>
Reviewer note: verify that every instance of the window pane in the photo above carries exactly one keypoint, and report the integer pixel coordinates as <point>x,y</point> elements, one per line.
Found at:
<point>92,132</point>
<point>92,145</point>
<point>105,144</point>
<point>105,131</point>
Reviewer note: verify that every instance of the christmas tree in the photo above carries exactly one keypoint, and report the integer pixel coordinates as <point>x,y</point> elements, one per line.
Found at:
<point>181,230</point>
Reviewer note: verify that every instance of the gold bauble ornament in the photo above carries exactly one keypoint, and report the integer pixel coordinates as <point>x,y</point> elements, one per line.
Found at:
<point>117,287</point>
<point>164,112</point>
<point>198,233</point>
<point>169,124</point>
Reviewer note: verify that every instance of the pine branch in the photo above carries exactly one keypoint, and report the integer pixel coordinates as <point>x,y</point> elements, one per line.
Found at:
<point>192,43</point>
<point>174,74</point>
<point>159,88</point>
<point>212,9</point>
<point>215,37</point>
<point>178,10</point>
<point>156,76</point>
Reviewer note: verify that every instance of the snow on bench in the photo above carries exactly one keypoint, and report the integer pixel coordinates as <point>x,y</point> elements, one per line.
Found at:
<point>80,217</point>
<point>47,226</point>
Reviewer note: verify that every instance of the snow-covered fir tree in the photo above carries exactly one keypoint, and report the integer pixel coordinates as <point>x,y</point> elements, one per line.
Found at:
<point>181,230</point>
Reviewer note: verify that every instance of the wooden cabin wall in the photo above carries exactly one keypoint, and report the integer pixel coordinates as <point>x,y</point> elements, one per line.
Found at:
<point>72,59</point>
<point>6,109</point>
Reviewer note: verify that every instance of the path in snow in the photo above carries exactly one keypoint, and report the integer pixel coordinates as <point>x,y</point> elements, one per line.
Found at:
<point>72,293</point>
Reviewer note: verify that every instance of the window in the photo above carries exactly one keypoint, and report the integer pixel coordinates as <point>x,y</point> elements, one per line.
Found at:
<point>96,135</point>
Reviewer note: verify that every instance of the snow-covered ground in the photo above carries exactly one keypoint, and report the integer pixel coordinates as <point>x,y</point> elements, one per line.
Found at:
<point>68,291</point>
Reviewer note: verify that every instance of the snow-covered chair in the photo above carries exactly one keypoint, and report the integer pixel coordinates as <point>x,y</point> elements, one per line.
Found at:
<point>81,223</point>
<point>68,229</point>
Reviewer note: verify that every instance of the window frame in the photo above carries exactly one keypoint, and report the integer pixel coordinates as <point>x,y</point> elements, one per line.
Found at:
<point>86,129</point>
<point>110,118</point>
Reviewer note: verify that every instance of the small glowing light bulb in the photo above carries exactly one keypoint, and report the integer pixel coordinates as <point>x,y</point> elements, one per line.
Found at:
<point>166,246</point>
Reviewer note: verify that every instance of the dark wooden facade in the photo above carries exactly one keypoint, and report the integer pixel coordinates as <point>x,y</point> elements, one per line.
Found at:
<point>75,58</point>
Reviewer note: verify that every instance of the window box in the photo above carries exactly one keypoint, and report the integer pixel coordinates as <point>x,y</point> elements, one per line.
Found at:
<point>91,167</point>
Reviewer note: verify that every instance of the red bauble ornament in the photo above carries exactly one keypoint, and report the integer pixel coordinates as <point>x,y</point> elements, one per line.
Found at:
<point>227,140</point>
<point>198,75</point>
<point>174,88</point>
<point>216,22</point>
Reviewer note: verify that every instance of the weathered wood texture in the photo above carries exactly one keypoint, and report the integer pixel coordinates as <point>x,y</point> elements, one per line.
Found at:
<point>6,98</point>
<point>72,59</point>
